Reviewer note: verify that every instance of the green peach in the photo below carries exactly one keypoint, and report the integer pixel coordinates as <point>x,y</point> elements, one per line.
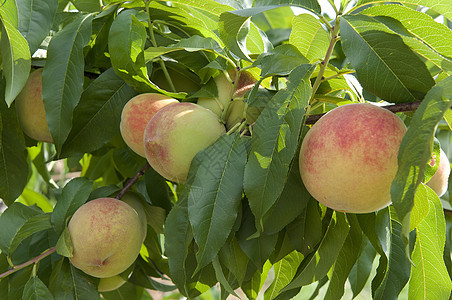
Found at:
<point>348,159</point>
<point>106,234</point>
<point>176,134</point>
<point>439,181</point>
<point>30,109</point>
<point>235,113</point>
<point>136,115</point>
<point>109,284</point>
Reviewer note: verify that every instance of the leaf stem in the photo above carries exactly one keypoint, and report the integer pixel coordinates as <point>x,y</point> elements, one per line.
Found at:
<point>324,62</point>
<point>28,263</point>
<point>133,180</point>
<point>154,43</point>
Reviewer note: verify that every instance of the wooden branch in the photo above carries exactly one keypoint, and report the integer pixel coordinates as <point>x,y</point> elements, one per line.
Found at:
<point>133,180</point>
<point>28,263</point>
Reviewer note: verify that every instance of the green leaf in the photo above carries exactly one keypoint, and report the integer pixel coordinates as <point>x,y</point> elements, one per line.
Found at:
<point>395,274</point>
<point>416,147</point>
<point>381,57</point>
<point>64,245</point>
<point>67,282</point>
<point>430,279</point>
<point>17,283</point>
<point>17,223</point>
<point>319,263</point>
<point>233,257</point>
<point>87,5</point>
<point>309,37</point>
<point>420,207</point>
<point>126,46</point>
<point>62,78</point>
<point>280,61</point>
<point>75,193</point>
<point>36,289</point>
<point>30,197</point>
<point>13,156</point>
<point>209,6</point>
<point>35,20</point>
<point>420,32</point>
<point>215,194</point>
<point>439,6</point>
<point>221,278</point>
<point>157,190</point>
<point>274,143</point>
<point>252,286</point>
<point>16,58</point>
<point>126,291</point>
<point>97,116</point>
<point>360,271</point>
<point>285,271</point>
<point>346,259</point>
<point>178,236</point>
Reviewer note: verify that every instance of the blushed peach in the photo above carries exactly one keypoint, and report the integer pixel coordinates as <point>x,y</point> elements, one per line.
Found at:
<point>440,180</point>
<point>176,134</point>
<point>348,159</point>
<point>30,109</point>
<point>136,115</point>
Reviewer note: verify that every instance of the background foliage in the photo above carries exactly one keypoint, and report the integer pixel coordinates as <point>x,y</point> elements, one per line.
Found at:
<point>243,213</point>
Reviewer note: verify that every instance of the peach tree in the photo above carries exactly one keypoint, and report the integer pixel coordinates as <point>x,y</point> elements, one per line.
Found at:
<point>242,224</point>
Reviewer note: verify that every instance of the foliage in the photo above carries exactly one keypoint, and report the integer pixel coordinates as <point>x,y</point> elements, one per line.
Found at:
<point>243,217</point>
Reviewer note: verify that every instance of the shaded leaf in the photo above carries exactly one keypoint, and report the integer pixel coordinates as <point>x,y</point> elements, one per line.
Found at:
<point>280,61</point>
<point>64,245</point>
<point>319,263</point>
<point>36,289</point>
<point>361,269</point>
<point>35,20</point>
<point>13,156</point>
<point>62,78</point>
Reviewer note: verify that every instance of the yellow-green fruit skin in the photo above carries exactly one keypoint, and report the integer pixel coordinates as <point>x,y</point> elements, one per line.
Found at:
<point>176,134</point>
<point>439,181</point>
<point>218,105</point>
<point>106,235</point>
<point>348,158</point>
<point>133,199</point>
<point>235,113</point>
<point>136,115</point>
<point>30,109</point>
<point>109,284</point>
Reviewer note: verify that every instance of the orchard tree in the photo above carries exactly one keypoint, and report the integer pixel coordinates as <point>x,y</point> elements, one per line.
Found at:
<point>266,148</point>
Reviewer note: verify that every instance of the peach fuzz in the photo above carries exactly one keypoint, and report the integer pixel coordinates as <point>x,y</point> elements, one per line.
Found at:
<point>30,109</point>
<point>348,159</point>
<point>106,234</point>
<point>136,115</point>
<point>439,181</point>
<point>176,134</point>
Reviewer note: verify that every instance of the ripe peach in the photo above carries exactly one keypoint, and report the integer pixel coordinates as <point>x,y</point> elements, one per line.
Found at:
<point>106,234</point>
<point>135,116</point>
<point>176,134</point>
<point>348,159</point>
<point>30,109</point>
<point>439,181</point>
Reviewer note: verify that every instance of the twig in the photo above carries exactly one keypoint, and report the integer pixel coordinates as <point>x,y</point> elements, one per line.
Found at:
<point>133,180</point>
<point>28,263</point>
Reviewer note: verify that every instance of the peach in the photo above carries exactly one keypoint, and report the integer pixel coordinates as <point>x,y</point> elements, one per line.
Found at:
<point>348,159</point>
<point>136,201</point>
<point>136,115</point>
<point>439,181</point>
<point>106,234</point>
<point>225,91</point>
<point>30,109</point>
<point>235,113</point>
<point>108,284</point>
<point>176,134</point>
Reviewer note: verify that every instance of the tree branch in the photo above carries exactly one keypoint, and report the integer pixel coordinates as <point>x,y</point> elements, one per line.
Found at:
<point>28,263</point>
<point>133,180</point>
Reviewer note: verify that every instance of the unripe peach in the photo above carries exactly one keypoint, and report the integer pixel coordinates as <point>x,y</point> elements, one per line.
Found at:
<point>235,113</point>
<point>106,234</point>
<point>30,109</point>
<point>176,134</point>
<point>136,115</point>
<point>439,181</point>
<point>108,284</point>
<point>348,159</point>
